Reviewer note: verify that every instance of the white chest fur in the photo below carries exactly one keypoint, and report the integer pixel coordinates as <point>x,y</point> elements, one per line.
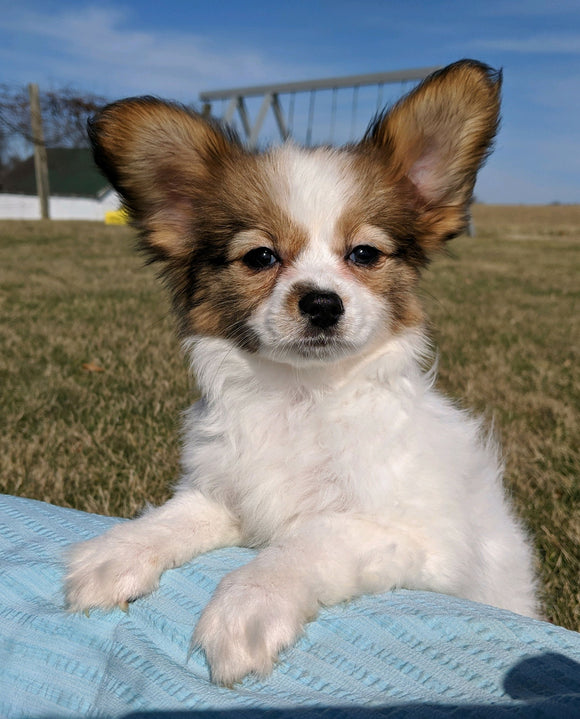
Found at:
<point>275,443</point>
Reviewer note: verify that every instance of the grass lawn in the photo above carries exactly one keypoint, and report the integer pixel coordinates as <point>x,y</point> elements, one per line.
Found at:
<point>92,382</point>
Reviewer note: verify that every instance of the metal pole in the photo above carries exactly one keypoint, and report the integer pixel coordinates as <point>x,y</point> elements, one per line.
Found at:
<point>243,113</point>
<point>266,102</point>
<point>310,119</point>
<point>231,108</point>
<point>354,109</point>
<point>279,115</point>
<point>291,114</point>
<point>333,114</point>
<point>380,87</point>
<point>323,84</point>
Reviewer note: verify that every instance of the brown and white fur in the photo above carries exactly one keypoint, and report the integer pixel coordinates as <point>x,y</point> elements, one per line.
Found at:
<point>319,439</point>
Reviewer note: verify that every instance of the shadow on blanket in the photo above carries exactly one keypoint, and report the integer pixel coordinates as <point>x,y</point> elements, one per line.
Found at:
<point>561,678</point>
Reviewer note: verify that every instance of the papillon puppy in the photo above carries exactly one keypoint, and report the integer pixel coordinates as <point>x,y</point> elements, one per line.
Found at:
<point>319,439</point>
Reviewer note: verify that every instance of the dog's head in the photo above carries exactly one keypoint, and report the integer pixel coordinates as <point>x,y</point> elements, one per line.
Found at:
<point>301,254</point>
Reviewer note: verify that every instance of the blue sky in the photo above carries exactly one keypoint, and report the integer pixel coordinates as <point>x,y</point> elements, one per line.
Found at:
<point>176,49</point>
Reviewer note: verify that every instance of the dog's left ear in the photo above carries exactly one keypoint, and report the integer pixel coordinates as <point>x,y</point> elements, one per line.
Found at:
<point>437,137</point>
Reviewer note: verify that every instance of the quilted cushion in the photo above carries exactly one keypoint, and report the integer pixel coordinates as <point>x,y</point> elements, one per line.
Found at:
<point>398,654</point>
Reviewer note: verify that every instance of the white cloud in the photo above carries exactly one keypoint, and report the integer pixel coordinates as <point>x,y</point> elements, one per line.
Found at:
<point>96,46</point>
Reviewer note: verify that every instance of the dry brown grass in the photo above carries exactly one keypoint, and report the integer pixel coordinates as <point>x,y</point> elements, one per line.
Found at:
<point>504,308</point>
<point>74,294</point>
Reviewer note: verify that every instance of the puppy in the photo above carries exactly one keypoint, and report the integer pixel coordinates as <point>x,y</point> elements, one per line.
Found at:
<point>319,439</point>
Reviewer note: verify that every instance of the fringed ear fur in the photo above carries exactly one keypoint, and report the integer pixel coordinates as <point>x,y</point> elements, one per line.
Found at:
<point>437,137</point>
<point>159,156</point>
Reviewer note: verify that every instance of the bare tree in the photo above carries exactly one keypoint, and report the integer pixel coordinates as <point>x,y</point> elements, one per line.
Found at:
<point>64,115</point>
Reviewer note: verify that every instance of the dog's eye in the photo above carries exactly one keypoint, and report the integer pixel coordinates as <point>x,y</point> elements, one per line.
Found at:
<point>364,255</point>
<point>260,258</point>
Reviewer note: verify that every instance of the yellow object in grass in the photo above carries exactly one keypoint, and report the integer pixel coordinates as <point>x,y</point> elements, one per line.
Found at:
<point>116,217</point>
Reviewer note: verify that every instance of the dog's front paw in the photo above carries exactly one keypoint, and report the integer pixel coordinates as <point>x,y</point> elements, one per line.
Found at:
<point>246,625</point>
<point>109,571</point>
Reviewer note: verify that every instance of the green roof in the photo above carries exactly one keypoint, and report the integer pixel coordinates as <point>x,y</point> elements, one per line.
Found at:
<point>71,173</point>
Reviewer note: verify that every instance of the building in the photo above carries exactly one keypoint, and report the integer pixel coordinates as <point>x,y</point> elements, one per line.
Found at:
<point>78,191</point>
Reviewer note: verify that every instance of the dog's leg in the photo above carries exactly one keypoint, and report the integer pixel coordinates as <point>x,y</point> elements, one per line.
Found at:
<point>261,608</point>
<point>127,561</point>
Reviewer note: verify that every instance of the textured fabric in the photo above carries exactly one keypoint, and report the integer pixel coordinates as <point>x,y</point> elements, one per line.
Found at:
<point>399,654</point>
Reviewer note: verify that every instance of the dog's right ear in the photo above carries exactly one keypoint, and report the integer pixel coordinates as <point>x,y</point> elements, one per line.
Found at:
<point>437,137</point>
<point>160,157</point>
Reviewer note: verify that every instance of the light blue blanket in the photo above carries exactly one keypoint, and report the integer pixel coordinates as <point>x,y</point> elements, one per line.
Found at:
<point>401,654</point>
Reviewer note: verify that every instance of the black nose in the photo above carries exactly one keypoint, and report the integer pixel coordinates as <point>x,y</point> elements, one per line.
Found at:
<point>322,308</point>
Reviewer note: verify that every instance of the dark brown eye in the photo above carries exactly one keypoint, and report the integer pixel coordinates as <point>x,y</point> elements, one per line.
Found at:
<point>260,258</point>
<point>363,255</point>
